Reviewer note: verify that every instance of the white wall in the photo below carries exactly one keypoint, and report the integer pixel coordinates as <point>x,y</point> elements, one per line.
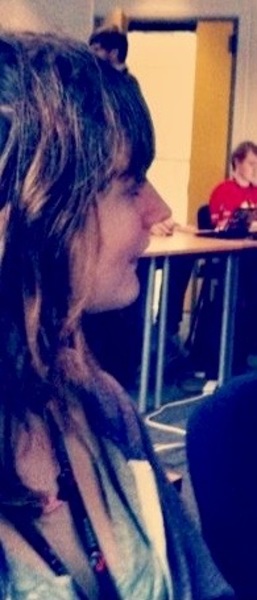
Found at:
<point>70,17</point>
<point>245,119</point>
<point>162,58</point>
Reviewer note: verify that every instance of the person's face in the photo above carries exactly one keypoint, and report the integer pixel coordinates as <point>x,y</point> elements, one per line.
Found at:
<point>246,170</point>
<point>125,215</point>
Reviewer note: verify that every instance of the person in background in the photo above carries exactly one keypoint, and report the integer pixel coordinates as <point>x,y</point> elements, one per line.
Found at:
<point>109,331</point>
<point>111,44</point>
<point>85,509</point>
<point>240,192</point>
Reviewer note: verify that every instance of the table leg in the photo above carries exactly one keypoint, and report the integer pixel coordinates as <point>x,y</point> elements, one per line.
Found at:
<point>162,333</point>
<point>227,329</point>
<point>228,318</point>
<point>146,348</point>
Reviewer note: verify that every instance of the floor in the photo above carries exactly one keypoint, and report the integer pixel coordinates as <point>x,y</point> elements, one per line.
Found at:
<point>167,428</point>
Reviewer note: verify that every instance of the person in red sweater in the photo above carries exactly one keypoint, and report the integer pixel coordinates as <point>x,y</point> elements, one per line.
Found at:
<point>240,191</point>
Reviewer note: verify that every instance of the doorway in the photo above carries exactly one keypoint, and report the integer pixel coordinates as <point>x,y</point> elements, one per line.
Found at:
<point>186,71</point>
<point>164,64</point>
<point>213,110</point>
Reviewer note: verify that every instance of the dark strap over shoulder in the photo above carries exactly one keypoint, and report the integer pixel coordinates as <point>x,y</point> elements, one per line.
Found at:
<point>69,492</point>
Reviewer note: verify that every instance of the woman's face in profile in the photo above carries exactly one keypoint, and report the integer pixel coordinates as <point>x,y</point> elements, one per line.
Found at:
<point>125,214</point>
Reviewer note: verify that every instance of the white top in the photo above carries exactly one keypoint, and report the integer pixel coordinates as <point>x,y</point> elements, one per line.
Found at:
<point>144,572</point>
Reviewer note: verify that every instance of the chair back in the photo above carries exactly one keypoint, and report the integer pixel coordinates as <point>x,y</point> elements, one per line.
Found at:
<point>204,217</point>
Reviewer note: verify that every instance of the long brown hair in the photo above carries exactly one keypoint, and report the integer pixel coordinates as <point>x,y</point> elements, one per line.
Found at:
<point>64,116</point>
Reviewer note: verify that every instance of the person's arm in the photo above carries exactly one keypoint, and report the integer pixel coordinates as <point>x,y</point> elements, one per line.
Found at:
<point>168,226</point>
<point>165,227</point>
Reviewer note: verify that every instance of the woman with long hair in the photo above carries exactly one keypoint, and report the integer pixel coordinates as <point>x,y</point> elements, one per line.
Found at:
<point>85,509</point>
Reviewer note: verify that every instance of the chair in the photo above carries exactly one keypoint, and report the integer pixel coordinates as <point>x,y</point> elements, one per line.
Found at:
<point>204,217</point>
<point>204,328</point>
<point>222,459</point>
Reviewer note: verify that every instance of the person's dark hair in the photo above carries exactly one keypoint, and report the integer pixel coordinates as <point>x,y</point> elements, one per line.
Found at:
<point>65,118</point>
<point>241,151</point>
<point>111,39</point>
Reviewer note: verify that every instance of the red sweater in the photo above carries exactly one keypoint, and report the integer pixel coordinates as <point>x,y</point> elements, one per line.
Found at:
<point>227,197</point>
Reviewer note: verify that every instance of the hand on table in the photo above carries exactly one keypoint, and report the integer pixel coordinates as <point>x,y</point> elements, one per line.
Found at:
<point>185,228</point>
<point>163,228</point>
<point>168,226</point>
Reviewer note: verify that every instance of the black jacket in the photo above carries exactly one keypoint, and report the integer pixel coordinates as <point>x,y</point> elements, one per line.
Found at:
<point>222,455</point>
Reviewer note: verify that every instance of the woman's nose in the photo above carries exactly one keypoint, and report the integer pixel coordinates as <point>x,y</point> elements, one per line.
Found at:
<point>152,206</point>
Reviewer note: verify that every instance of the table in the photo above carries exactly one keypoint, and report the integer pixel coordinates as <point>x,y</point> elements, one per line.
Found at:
<point>185,243</point>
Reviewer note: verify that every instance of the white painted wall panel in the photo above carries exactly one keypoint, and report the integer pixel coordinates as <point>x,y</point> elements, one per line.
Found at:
<point>70,17</point>
<point>164,64</point>
<point>244,122</point>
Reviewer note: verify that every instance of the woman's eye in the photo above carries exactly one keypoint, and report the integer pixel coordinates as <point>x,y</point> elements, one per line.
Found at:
<point>133,190</point>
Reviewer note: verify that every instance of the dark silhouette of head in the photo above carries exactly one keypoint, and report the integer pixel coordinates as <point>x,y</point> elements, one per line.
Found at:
<point>111,44</point>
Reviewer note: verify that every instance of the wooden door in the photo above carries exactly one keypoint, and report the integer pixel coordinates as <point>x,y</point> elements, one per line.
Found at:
<point>212,111</point>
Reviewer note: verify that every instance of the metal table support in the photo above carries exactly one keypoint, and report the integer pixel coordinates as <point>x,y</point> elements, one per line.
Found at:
<point>227,328</point>
<point>162,333</point>
<point>146,349</point>
<point>228,318</point>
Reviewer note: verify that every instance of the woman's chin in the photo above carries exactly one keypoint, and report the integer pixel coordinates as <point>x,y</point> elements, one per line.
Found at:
<point>125,299</point>
<point>132,292</point>
<point>126,295</point>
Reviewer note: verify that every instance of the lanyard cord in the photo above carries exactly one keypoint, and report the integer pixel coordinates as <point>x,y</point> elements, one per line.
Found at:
<point>69,492</point>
